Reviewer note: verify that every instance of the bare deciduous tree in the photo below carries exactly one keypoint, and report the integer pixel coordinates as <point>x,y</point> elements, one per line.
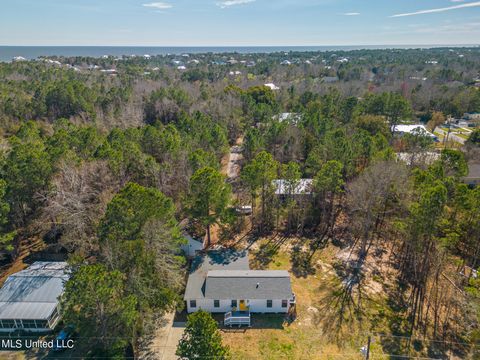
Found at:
<point>75,203</point>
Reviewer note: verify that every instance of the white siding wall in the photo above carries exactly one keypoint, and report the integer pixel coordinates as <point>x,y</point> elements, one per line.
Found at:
<point>260,306</point>
<point>256,306</point>
<point>192,246</point>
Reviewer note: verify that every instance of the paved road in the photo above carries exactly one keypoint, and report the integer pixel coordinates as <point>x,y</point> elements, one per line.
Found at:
<point>452,136</point>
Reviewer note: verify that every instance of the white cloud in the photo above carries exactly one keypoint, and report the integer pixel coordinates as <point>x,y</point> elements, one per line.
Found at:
<point>159,5</point>
<point>351,14</point>
<point>228,3</point>
<point>467,5</point>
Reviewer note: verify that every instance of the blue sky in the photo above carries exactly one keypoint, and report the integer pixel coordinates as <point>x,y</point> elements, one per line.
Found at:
<point>239,22</point>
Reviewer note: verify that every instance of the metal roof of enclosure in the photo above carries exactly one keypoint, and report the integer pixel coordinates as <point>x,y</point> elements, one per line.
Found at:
<point>33,293</point>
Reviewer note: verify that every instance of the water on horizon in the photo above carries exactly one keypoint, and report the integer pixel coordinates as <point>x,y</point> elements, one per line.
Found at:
<point>7,53</point>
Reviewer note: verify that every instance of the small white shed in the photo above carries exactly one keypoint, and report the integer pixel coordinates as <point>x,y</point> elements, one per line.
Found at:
<point>192,247</point>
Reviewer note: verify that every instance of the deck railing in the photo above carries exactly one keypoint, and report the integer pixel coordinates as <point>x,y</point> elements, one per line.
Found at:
<point>239,319</point>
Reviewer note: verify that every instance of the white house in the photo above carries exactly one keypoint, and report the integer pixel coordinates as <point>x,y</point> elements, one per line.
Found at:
<point>192,247</point>
<point>303,187</point>
<point>221,281</point>
<point>413,129</point>
<point>293,118</point>
<point>272,86</point>
<point>29,299</point>
<point>418,158</point>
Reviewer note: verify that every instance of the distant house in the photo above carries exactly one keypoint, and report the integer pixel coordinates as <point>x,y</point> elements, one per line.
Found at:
<point>285,62</point>
<point>471,116</point>
<point>192,247</point>
<point>272,86</point>
<point>221,281</point>
<point>19,58</point>
<point>413,129</point>
<point>53,62</point>
<point>418,158</point>
<point>473,177</point>
<point>109,71</point>
<point>293,118</point>
<point>29,299</point>
<point>304,187</point>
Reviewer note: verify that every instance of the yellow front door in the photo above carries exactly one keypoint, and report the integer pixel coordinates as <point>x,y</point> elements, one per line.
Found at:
<point>243,305</point>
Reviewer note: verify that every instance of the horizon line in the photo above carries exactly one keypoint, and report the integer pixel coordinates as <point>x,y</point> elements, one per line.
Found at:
<point>262,45</point>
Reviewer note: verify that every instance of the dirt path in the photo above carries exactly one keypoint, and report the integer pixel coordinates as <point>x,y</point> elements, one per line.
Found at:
<point>234,157</point>
<point>25,248</point>
<point>231,168</point>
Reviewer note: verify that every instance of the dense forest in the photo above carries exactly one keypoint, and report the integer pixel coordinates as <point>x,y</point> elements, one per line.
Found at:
<point>104,161</point>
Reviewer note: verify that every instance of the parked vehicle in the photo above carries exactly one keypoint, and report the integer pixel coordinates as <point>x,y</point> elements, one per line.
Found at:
<point>62,341</point>
<point>244,210</point>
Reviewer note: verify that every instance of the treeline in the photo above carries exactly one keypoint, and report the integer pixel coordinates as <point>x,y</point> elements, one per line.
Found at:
<point>77,88</point>
<point>363,196</point>
<point>111,192</point>
<point>112,201</point>
<point>35,91</point>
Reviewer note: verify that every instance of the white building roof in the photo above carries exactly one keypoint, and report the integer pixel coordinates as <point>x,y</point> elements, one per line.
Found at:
<point>33,293</point>
<point>428,157</point>
<point>291,117</point>
<point>272,86</point>
<point>412,129</point>
<point>304,187</point>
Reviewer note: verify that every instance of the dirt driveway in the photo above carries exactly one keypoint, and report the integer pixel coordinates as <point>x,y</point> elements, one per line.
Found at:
<point>164,344</point>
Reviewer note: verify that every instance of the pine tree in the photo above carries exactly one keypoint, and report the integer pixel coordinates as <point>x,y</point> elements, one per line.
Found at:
<point>201,339</point>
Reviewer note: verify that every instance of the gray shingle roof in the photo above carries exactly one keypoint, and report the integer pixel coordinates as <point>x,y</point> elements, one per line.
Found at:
<point>253,284</point>
<point>225,259</point>
<point>33,293</point>
<point>225,274</point>
<point>473,171</point>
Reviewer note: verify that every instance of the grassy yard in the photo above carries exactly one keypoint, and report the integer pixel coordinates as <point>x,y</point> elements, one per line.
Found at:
<point>331,323</point>
<point>318,332</point>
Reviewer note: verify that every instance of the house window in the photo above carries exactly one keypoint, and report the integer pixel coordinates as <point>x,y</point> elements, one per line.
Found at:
<point>193,303</point>
<point>269,303</point>
<point>216,303</point>
<point>284,303</point>
<point>234,303</point>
